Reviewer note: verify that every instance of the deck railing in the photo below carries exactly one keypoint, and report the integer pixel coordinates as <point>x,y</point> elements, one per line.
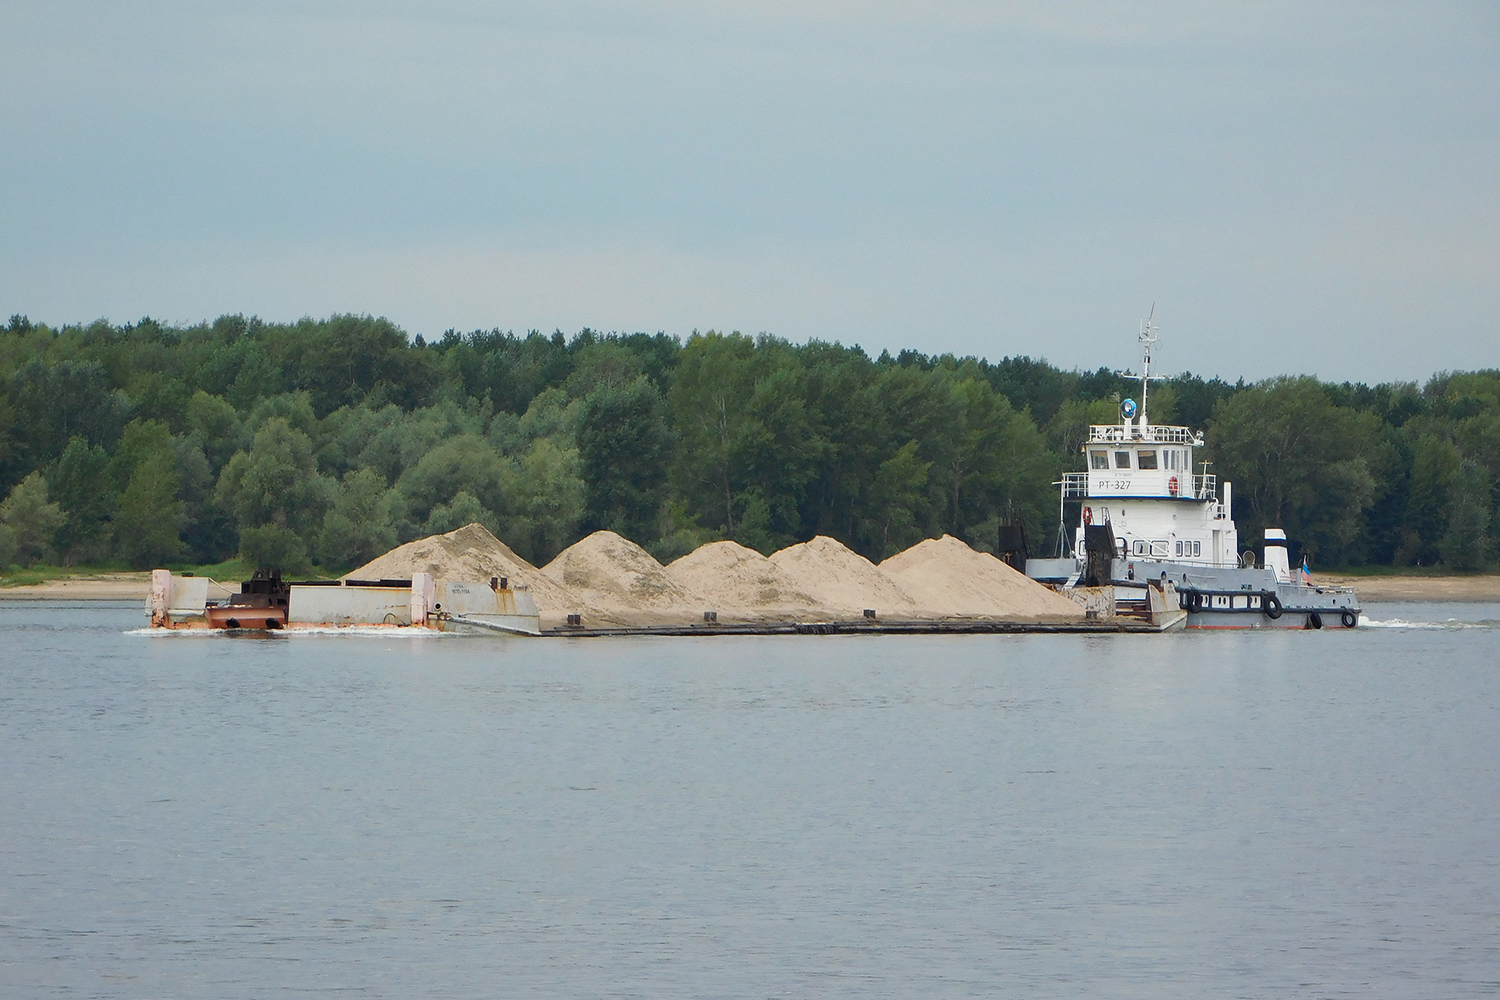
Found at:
<point>1153,434</point>
<point>1075,486</point>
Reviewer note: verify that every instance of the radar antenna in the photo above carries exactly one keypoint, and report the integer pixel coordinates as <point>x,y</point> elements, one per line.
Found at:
<point>1148,341</point>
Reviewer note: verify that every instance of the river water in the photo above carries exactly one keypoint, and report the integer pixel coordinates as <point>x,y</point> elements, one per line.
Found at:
<point>1208,814</point>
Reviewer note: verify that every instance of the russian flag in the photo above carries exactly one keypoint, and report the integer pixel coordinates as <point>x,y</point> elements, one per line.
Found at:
<point>1306,573</point>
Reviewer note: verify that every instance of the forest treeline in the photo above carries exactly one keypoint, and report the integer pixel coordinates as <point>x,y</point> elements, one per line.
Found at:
<point>329,441</point>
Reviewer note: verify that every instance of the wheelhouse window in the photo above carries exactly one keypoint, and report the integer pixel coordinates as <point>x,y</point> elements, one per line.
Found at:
<point>1147,460</point>
<point>1122,459</point>
<point>1099,459</point>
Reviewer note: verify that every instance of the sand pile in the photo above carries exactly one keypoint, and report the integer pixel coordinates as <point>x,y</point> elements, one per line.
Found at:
<point>841,580</point>
<point>469,553</point>
<point>741,584</point>
<point>612,580</point>
<point>948,579</point>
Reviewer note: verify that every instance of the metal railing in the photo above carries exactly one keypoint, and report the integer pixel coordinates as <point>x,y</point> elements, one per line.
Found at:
<point>1075,486</point>
<point>1153,434</point>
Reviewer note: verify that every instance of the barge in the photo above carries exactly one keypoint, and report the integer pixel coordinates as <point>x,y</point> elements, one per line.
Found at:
<point>266,602</point>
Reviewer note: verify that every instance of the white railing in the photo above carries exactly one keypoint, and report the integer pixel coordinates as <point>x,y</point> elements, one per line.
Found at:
<point>1154,434</point>
<point>1076,486</point>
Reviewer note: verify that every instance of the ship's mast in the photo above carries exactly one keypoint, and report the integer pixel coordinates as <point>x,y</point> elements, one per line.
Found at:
<point>1148,341</point>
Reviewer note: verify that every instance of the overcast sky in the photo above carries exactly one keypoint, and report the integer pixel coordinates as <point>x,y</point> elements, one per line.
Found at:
<point>1299,187</point>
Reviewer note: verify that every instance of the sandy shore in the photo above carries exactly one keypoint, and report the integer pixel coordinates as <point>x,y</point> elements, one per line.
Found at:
<point>1384,589</point>
<point>106,587</point>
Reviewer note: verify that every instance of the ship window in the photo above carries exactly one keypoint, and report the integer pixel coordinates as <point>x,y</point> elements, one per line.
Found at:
<point>1178,548</point>
<point>1169,457</point>
<point>1122,459</point>
<point>1159,549</point>
<point>1099,459</point>
<point>1141,547</point>
<point>1197,548</point>
<point>1147,460</point>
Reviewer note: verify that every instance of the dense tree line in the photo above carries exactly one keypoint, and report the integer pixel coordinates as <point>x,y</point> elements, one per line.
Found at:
<point>329,441</point>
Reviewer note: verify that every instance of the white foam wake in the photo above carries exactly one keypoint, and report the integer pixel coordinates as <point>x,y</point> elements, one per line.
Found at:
<point>1449,623</point>
<point>365,631</point>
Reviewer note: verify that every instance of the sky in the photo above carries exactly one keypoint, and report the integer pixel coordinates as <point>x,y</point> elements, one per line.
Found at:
<point>1297,188</point>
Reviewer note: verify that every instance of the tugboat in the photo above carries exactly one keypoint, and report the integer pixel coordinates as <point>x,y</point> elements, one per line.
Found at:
<point>1150,531</point>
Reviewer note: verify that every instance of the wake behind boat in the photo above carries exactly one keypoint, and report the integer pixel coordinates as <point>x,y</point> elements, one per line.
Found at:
<point>1149,531</point>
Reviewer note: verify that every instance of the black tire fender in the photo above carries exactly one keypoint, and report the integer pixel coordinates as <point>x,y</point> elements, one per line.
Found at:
<point>1195,602</point>
<point>1349,619</point>
<point>1314,620</point>
<point>1271,605</point>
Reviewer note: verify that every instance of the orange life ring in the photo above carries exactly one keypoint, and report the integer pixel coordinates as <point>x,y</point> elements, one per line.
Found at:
<point>1088,516</point>
<point>1172,486</point>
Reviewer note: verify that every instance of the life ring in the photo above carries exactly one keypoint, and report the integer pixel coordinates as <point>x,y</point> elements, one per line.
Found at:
<point>1271,605</point>
<point>1088,516</point>
<point>1349,619</point>
<point>1314,620</point>
<point>1172,485</point>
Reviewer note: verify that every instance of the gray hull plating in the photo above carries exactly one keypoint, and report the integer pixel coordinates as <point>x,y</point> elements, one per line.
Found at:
<point>1243,598</point>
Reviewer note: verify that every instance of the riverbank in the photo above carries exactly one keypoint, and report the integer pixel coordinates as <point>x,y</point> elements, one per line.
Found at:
<point>91,587</point>
<point>1396,587</point>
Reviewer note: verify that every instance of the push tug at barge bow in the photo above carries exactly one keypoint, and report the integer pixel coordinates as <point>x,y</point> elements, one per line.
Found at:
<point>1145,519</point>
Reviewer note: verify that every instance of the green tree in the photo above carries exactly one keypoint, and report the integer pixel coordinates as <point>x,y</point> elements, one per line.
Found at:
<point>271,546</point>
<point>215,425</point>
<point>545,501</point>
<point>30,522</point>
<point>749,451</point>
<point>465,463</point>
<point>275,483</point>
<point>1465,545</point>
<point>141,440</point>
<point>1298,462</point>
<point>464,510</point>
<point>358,527</point>
<point>1435,463</point>
<point>623,445</point>
<point>150,518</point>
<point>898,502</point>
<point>82,486</point>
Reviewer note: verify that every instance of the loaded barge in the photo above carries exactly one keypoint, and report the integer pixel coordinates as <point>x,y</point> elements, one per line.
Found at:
<point>497,606</point>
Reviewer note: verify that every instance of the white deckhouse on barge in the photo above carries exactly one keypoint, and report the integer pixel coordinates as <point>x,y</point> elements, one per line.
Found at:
<point>1147,522</point>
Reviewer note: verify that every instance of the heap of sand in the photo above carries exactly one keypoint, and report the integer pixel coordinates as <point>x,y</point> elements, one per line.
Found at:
<point>613,581</point>
<point>949,579</point>
<point>741,584</point>
<point>841,580</point>
<point>469,553</point>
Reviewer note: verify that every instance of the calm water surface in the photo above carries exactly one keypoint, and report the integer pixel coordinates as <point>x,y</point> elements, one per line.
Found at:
<point>1263,815</point>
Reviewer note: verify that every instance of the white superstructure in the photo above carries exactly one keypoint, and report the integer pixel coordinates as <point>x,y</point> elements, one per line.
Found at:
<point>1140,481</point>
